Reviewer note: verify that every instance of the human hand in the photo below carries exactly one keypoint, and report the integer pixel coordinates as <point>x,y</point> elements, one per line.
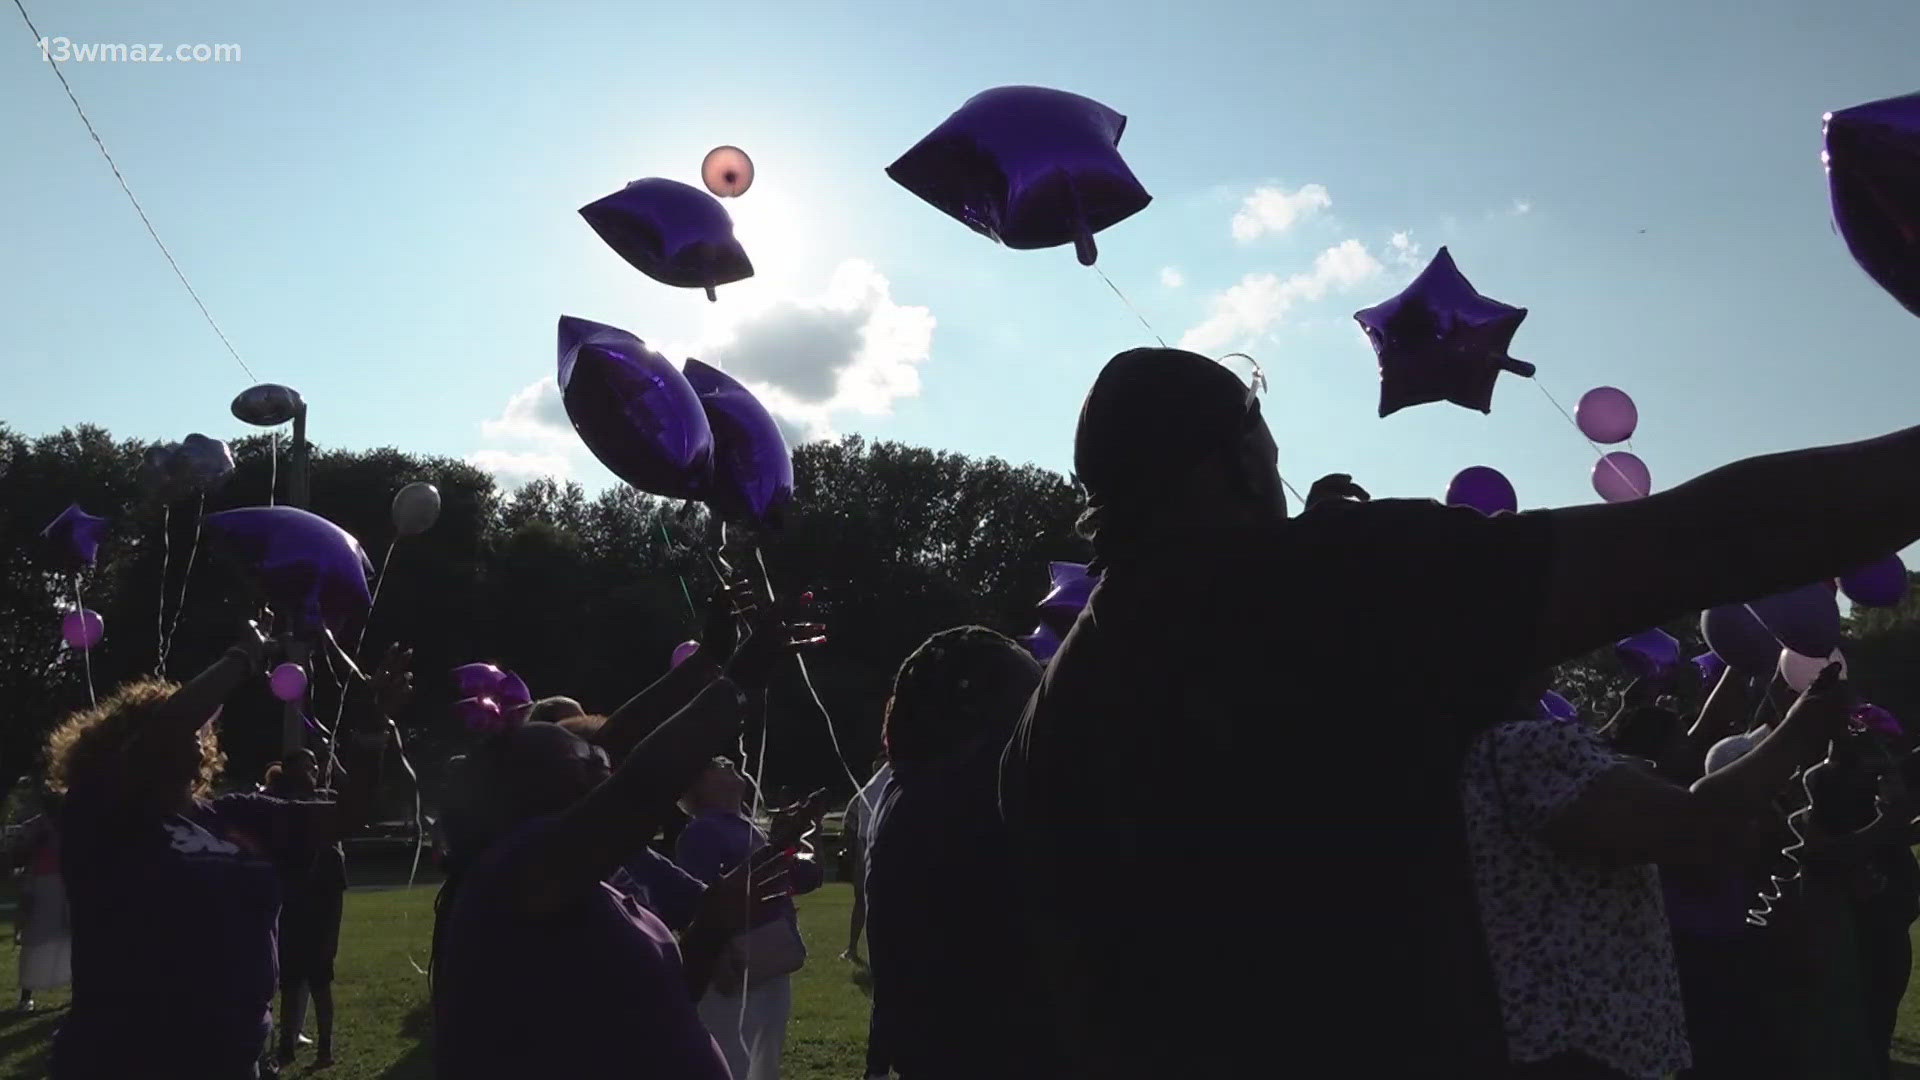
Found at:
<point>738,899</point>
<point>392,683</point>
<point>768,639</point>
<point>791,824</point>
<point>1335,487</point>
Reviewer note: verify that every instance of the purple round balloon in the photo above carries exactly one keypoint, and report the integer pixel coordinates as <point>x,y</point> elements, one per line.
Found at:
<point>1027,166</point>
<point>479,714</point>
<point>1648,653</point>
<point>82,629</point>
<point>288,682</point>
<point>1606,415</point>
<point>512,692</point>
<point>1483,488</point>
<point>1440,340</point>
<point>1873,174</point>
<point>310,569</point>
<point>1876,719</point>
<point>634,410</point>
<point>1805,620</point>
<point>1553,706</point>
<point>672,232</point>
<point>1878,584</point>
<point>1621,477</point>
<point>684,652</point>
<point>75,536</point>
<point>752,469</point>
<point>1738,637</point>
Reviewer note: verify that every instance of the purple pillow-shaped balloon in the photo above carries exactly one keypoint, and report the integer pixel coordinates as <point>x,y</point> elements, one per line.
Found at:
<point>752,468</point>
<point>310,569</point>
<point>1873,175</point>
<point>1027,166</point>
<point>674,233</point>
<point>1440,340</point>
<point>635,410</point>
<point>1042,643</point>
<point>1648,653</point>
<point>1554,706</point>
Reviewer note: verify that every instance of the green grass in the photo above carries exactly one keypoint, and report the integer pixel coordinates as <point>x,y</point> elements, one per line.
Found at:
<point>383,1022</point>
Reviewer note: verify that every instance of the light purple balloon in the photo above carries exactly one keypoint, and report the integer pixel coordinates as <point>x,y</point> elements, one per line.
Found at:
<point>1879,584</point>
<point>752,468</point>
<point>1606,415</point>
<point>82,629</point>
<point>1621,477</point>
<point>684,652</point>
<point>1484,489</point>
<point>288,681</point>
<point>1648,653</point>
<point>1798,671</point>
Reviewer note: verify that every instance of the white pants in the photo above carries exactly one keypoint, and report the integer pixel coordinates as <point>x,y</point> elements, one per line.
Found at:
<point>751,1037</point>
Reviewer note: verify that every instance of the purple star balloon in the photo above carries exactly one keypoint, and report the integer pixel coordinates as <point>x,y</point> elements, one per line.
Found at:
<point>75,536</point>
<point>635,410</point>
<point>1879,584</point>
<point>1072,586</point>
<point>1873,175</point>
<point>1439,340</point>
<point>1483,488</point>
<point>1649,653</point>
<point>674,233</point>
<point>752,469</point>
<point>1027,166</point>
<point>309,569</point>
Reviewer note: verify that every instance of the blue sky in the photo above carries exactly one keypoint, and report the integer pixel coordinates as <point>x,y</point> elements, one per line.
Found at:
<point>378,201</point>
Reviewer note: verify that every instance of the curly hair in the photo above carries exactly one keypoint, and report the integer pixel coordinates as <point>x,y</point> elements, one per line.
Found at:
<point>959,683</point>
<point>96,748</point>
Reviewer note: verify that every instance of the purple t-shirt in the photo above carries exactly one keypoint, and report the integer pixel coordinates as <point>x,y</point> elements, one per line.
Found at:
<point>174,962</point>
<point>715,842</point>
<point>661,887</point>
<point>595,989</point>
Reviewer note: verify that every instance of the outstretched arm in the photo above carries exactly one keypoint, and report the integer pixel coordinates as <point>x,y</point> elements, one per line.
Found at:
<point>1742,531</point>
<point>195,703</point>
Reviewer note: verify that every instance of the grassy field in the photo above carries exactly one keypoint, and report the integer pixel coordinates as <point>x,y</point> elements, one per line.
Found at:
<point>383,1003</point>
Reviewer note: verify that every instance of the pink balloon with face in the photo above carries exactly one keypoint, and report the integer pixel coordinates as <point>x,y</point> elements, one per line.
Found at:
<point>727,171</point>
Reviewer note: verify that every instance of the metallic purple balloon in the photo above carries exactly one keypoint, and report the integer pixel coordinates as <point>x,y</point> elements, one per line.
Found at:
<point>205,463</point>
<point>672,232</point>
<point>1805,620</point>
<point>1621,477</point>
<point>512,693</point>
<point>1606,415</point>
<point>1873,174</point>
<point>1072,586</point>
<point>82,629</point>
<point>635,410</point>
<point>75,536</point>
<point>1042,643</point>
<point>1711,667</point>
<point>310,569</point>
<point>752,469</point>
<point>1648,653</point>
<point>1553,706</point>
<point>1483,488</point>
<point>1879,584</point>
<point>472,680</point>
<point>1738,637</point>
<point>1027,166</point>
<point>1439,340</point>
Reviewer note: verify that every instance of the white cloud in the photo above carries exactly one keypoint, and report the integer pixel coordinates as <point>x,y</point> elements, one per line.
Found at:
<point>1521,206</point>
<point>535,413</point>
<point>1403,249</point>
<point>1261,300</point>
<point>1274,210</point>
<point>511,469</point>
<point>1171,277</point>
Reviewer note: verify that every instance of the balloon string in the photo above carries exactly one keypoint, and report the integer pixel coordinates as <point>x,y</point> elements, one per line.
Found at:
<point>273,466</point>
<point>340,707</point>
<point>1605,458</point>
<point>667,539</point>
<point>180,608</point>
<point>86,654</point>
<point>1130,307</point>
<point>160,615</point>
<point>839,755</point>
<point>137,208</point>
<point>1256,387</point>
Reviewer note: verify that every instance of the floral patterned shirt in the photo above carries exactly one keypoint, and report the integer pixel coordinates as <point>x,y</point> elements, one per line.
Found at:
<point>1582,954</point>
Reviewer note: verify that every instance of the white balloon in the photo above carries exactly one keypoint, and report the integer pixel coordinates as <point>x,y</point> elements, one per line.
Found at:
<point>1799,671</point>
<point>727,171</point>
<point>416,508</point>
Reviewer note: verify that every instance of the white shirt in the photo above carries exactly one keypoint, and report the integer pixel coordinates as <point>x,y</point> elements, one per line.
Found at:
<point>1582,954</point>
<point>859,821</point>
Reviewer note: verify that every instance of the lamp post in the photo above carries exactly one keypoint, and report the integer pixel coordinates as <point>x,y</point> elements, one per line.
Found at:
<point>270,405</point>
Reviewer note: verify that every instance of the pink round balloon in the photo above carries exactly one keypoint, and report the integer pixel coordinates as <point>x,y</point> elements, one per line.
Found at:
<point>684,650</point>
<point>727,171</point>
<point>289,681</point>
<point>1621,476</point>
<point>1606,415</point>
<point>1799,671</point>
<point>82,629</point>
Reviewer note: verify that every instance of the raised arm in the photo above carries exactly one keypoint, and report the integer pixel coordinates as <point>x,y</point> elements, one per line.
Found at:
<point>670,693</point>
<point>195,703</point>
<point>1740,532</point>
<point>361,744</point>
